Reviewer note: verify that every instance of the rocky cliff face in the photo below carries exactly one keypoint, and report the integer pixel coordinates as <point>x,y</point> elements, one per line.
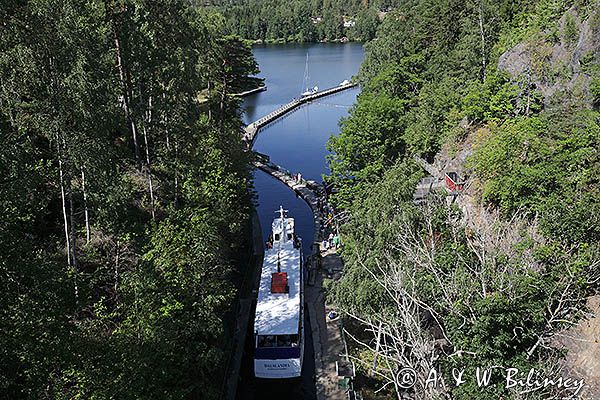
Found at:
<point>559,62</point>
<point>562,64</point>
<point>582,344</point>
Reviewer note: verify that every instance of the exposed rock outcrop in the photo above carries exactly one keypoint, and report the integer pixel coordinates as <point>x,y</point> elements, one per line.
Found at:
<point>582,343</point>
<point>557,62</point>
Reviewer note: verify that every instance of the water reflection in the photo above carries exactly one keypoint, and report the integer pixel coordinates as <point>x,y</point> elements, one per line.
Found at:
<point>297,143</point>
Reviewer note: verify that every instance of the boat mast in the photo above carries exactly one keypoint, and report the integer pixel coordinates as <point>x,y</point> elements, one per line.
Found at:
<point>283,224</point>
<point>306,74</point>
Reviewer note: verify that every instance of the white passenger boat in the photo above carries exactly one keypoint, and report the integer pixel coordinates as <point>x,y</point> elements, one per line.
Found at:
<point>279,318</point>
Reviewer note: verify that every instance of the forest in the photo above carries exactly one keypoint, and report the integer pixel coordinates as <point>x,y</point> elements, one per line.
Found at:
<point>124,198</point>
<point>125,191</point>
<point>508,90</point>
<point>303,21</point>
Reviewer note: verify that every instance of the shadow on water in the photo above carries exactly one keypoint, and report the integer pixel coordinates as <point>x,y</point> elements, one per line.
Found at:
<point>271,194</point>
<point>297,143</point>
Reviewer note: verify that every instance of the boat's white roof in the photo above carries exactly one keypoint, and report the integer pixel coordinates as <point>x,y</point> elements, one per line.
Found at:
<point>279,313</point>
<point>276,226</point>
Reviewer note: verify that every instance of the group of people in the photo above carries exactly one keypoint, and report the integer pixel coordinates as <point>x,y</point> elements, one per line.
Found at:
<point>297,241</point>
<point>269,242</point>
<point>328,230</point>
<point>331,238</point>
<point>331,241</point>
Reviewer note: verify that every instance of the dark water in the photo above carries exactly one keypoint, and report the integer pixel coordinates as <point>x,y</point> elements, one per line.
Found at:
<point>297,143</point>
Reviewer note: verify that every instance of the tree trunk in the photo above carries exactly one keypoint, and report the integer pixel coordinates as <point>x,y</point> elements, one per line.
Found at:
<point>176,197</point>
<point>72,238</point>
<point>374,365</point>
<point>148,165</point>
<point>222,102</point>
<point>176,157</point>
<point>85,207</point>
<point>223,96</point>
<point>125,81</point>
<point>11,118</point>
<point>117,254</point>
<point>208,99</point>
<point>64,205</point>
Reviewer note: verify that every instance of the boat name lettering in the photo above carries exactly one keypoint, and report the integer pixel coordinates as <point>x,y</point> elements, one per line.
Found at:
<point>278,365</point>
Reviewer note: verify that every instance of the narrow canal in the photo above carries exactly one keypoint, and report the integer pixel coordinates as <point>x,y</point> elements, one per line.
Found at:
<point>297,143</point>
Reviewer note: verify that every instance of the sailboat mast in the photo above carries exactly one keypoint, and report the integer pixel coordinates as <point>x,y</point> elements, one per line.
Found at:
<point>308,90</point>
<point>306,74</point>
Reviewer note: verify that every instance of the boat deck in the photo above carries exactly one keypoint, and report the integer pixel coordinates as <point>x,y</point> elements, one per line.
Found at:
<point>279,313</point>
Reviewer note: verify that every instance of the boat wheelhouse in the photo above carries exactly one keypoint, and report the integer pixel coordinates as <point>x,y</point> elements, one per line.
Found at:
<point>278,322</point>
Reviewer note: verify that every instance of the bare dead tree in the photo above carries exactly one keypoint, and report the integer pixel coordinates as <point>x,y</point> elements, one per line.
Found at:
<point>396,334</point>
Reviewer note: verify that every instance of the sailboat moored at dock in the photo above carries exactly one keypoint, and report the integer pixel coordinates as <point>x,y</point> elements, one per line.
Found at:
<point>305,81</point>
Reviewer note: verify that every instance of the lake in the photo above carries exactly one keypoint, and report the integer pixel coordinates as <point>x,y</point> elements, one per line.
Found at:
<point>296,142</point>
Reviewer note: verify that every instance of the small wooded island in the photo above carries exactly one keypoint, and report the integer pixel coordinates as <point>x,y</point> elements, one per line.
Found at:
<point>458,227</point>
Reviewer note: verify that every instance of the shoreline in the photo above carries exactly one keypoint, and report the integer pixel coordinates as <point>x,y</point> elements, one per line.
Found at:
<point>285,41</point>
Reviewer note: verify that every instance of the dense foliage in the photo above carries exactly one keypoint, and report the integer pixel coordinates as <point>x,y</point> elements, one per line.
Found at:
<point>547,165</point>
<point>488,282</point>
<point>303,21</point>
<point>123,198</point>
